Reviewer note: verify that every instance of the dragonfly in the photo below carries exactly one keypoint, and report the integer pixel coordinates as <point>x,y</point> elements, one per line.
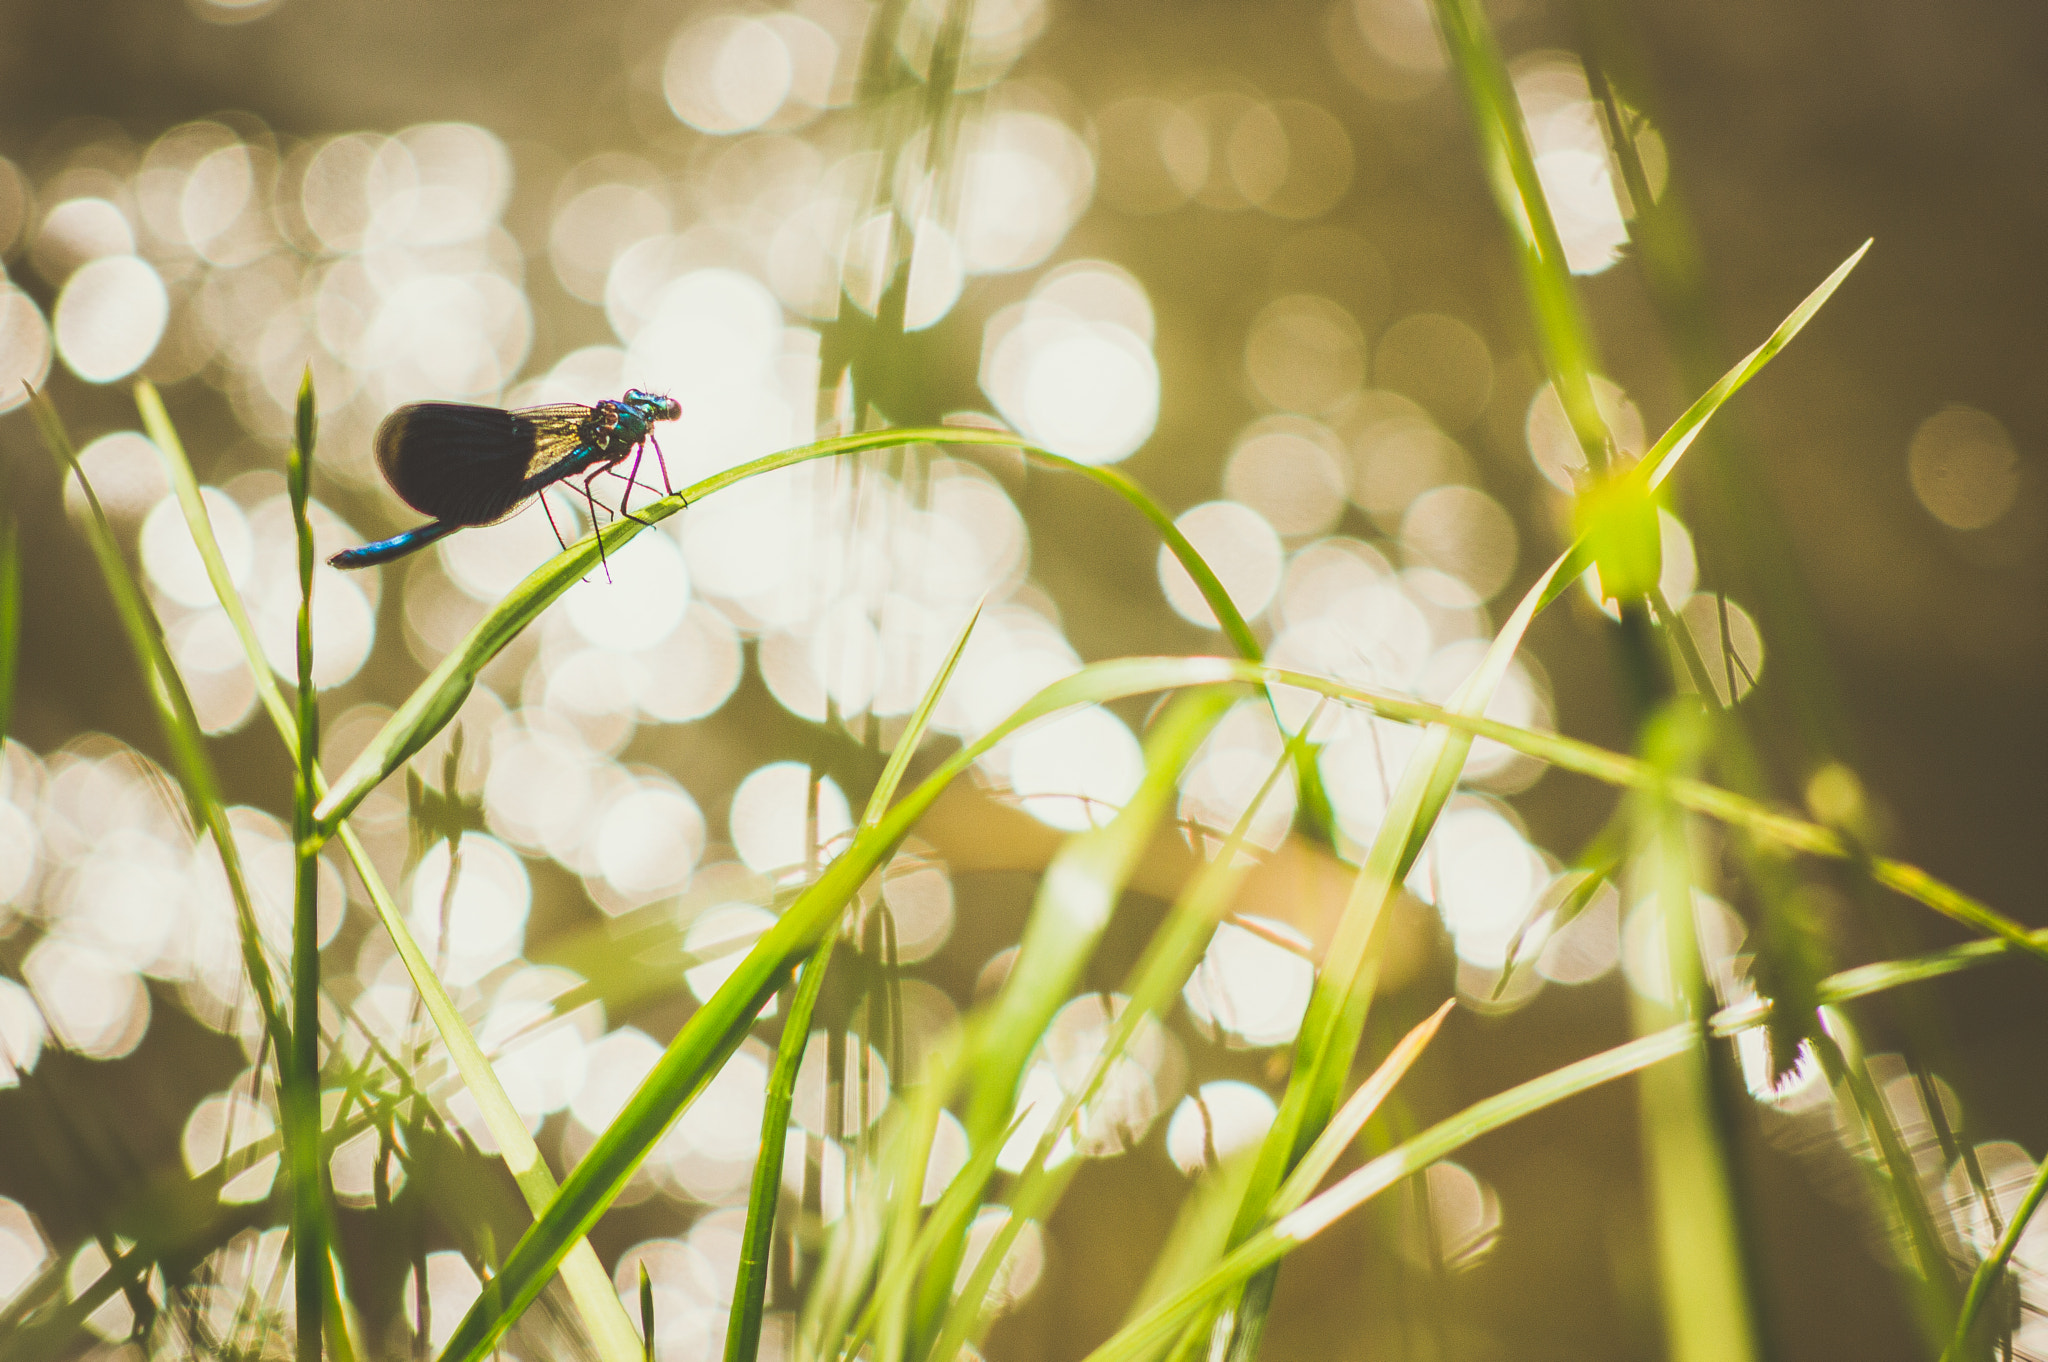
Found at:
<point>467,466</point>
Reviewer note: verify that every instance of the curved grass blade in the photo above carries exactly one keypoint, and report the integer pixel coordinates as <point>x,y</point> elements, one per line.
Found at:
<point>175,716</point>
<point>716,1029</point>
<point>1694,796</point>
<point>590,1287</point>
<point>437,698</point>
<point>1162,1324</point>
<point>750,1289</point>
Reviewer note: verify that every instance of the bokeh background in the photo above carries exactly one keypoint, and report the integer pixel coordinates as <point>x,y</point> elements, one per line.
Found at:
<point>1244,252</point>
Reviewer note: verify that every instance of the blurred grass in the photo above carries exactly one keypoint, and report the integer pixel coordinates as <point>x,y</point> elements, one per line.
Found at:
<point>588,1283</point>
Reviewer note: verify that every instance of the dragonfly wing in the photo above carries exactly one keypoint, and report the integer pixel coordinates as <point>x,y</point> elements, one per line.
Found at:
<point>465,464</point>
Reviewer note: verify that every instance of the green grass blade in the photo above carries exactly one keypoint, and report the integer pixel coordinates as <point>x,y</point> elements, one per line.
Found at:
<point>750,1290</point>
<point>1162,1324</point>
<point>1074,903</point>
<point>300,1099</point>
<point>1338,1005</point>
<point>1075,900</point>
<point>914,731</point>
<point>437,698</point>
<point>178,467</point>
<point>1989,1272</point>
<point>590,1288</point>
<point>1657,465</point>
<point>175,717</point>
<point>1170,957</point>
<point>1672,444</point>
<point>1694,796</point>
<point>10,620</point>
<point>1706,1288</point>
<point>717,1028</point>
<point>750,1285</point>
<point>1895,1177</point>
<point>1357,1110</point>
<point>1561,331</point>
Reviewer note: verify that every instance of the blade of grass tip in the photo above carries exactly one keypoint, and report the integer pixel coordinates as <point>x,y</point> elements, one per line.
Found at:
<point>175,716</point>
<point>647,1311</point>
<point>1663,457</point>
<point>1357,1110</point>
<point>1574,902</point>
<point>1672,444</point>
<point>920,720</point>
<point>1989,1272</point>
<point>750,1289</point>
<point>715,1030</point>
<point>1706,1279</point>
<point>1163,1322</point>
<point>1155,981</point>
<point>590,1288</point>
<point>301,1097</point>
<point>10,620</point>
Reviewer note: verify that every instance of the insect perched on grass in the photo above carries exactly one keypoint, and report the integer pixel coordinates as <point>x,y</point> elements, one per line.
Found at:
<point>467,465</point>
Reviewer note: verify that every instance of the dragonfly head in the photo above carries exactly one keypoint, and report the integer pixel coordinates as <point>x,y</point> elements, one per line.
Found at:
<point>653,406</point>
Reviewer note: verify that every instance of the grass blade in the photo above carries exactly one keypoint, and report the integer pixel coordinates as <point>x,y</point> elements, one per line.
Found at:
<point>1357,1110</point>
<point>175,717</point>
<point>750,1289</point>
<point>437,698</point>
<point>750,1284</point>
<point>1072,909</point>
<point>1989,1272</point>
<point>717,1028</point>
<point>590,1287</point>
<point>1171,956</point>
<point>1338,1004</point>
<point>1706,1290</point>
<point>1268,1246</point>
<point>1561,331</point>
<point>300,1099</point>
<point>1695,796</point>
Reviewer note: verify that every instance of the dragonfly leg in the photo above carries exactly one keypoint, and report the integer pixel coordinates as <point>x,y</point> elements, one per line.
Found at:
<point>596,530</point>
<point>667,487</point>
<point>632,480</point>
<point>550,512</point>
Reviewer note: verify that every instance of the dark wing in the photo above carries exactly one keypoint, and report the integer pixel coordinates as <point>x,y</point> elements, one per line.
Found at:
<point>468,465</point>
